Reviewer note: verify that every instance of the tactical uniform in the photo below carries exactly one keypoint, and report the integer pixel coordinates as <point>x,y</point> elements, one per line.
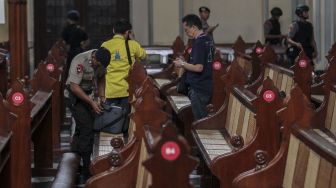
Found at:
<point>82,73</point>
<point>73,35</point>
<point>303,33</point>
<point>272,27</point>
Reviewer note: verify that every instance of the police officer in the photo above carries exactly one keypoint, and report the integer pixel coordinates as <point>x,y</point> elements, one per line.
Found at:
<point>74,36</point>
<point>86,74</point>
<point>204,13</point>
<point>301,35</point>
<point>272,29</point>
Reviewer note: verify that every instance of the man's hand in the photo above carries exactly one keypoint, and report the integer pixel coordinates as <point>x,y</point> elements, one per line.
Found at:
<point>299,45</point>
<point>211,29</point>
<point>96,107</point>
<point>178,62</point>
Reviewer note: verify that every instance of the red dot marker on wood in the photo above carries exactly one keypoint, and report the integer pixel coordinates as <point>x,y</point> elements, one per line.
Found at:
<point>17,98</point>
<point>269,96</point>
<point>170,151</point>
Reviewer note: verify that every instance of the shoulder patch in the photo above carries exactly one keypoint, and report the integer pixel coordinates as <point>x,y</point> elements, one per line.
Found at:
<point>80,68</point>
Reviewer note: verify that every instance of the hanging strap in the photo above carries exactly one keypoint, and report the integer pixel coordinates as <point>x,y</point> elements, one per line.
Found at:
<point>128,53</point>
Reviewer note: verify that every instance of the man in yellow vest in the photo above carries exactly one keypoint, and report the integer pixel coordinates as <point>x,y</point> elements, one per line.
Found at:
<point>116,86</point>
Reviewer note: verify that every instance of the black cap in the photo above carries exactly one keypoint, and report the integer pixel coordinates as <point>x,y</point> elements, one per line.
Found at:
<point>300,9</point>
<point>73,15</point>
<point>203,9</point>
<point>103,55</point>
<point>276,11</point>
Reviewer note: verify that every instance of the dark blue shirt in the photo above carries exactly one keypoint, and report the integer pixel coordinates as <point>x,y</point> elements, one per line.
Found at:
<point>202,53</point>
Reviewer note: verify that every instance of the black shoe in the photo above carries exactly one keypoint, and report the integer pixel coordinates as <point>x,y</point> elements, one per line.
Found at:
<point>82,180</point>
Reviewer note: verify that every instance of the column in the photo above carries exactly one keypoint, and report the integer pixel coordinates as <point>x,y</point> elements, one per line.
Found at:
<point>18,38</point>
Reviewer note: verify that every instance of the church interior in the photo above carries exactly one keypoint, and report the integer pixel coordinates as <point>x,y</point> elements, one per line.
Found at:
<point>268,121</point>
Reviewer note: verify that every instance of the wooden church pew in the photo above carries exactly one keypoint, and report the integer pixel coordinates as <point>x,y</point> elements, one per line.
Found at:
<point>247,122</point>
<point>184,111</point>
<point>7,121</point>
<point>55,64</point>
<point>324,121</point>
<point>249,62</point>
<point>251,68</point>
<point>33,106</point>
<point>331,52</point>
<point>168,74</point>
<point>317,88</point>
<point>165,83</point>
<point>284,78</point>
<point>129,172</point>
<point>180,105</point>
<point>3,71</point>
<point>137,79</point>
<point>305,159</point>
<point>57,57</point>
<point>144,108</point>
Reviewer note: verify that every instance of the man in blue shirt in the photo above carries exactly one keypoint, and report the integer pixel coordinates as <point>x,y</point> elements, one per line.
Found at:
<point>199,68</point>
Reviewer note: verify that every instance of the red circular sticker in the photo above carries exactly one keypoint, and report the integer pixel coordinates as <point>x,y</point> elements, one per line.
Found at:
<point>189,50</point>
<point>269,96</point>
<point>216,65</point>
<point>303,63</point>
<point>259,50</point>
<point>170,151</point>
<point>50,67</point>
<point>17,98</point>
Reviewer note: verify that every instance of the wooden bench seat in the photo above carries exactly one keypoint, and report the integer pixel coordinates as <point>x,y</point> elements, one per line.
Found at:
<point>239,120</point>
<point>178,102</point>
<point>214,142</point>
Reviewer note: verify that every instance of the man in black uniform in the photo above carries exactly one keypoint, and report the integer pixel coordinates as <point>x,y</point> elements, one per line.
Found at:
<point>301,35</point>
<point>272,29</point>
<point>204,14</point>
<point>86,74</point>
<point>74,36</point>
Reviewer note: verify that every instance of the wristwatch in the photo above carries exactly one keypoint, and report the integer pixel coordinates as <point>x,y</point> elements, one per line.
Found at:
<point>183,63</point>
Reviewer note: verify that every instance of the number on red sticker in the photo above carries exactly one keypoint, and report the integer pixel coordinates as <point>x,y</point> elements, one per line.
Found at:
<point>189,50</point>
<point>50,67</point>
<point>269,96</point>
<point>259,50</point>
<point>302,63</point>
<point>17,98</point>
<point>170,151</point>
<point>216,65</point>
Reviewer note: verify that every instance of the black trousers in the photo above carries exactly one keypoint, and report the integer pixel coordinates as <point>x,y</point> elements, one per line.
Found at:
<point>82,141</point>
